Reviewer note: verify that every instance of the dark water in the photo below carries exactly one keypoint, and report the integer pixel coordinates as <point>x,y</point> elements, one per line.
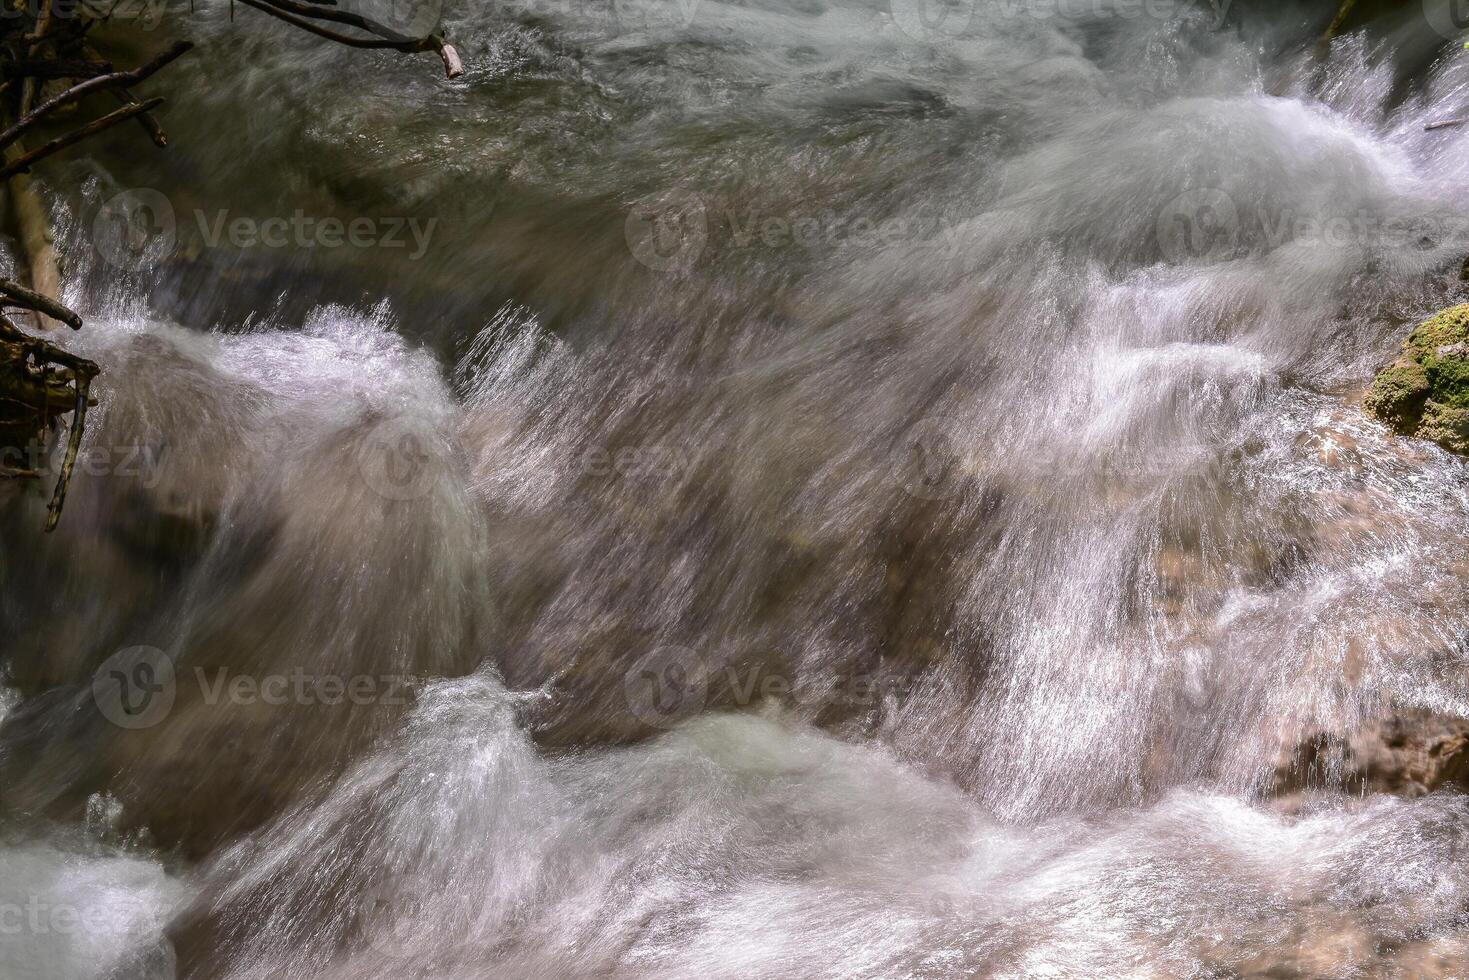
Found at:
<point>772,490</point>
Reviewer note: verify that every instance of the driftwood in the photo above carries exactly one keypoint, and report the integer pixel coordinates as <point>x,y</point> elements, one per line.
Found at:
<point>1444,124</point>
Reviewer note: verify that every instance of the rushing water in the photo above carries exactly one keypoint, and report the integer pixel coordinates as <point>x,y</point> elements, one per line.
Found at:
<point>820,490</point>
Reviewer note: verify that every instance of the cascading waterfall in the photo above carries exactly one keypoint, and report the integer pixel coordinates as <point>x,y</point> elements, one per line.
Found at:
<point>831,491</point>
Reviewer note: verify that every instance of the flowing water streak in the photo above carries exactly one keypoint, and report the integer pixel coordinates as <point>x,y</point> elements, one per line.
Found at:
<point>1066,463</point>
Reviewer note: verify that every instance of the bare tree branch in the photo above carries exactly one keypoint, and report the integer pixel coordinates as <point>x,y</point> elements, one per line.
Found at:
<point>24,163</point>
<point>147,120</point>
<point>82,383</point>
<point>19,295</point>
<point>299,15</point>
<point>121,79</point>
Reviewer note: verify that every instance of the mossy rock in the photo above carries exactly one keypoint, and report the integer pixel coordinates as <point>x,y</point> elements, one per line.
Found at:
<point>1425,392</point>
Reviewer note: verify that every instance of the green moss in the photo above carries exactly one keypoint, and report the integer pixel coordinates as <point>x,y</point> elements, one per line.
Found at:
<point>1449,327</point>
<point>1398,395</point>
<point>1425,392</point>
<point>1448,380</point>
<point>1447,426</point>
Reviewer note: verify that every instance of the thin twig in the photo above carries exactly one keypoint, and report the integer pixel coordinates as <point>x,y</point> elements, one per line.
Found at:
<point>73,444</point>
<point>24,163</point>
<point>150,124</point>
<point>1336,23</point>
<point>453,66</point>
<point>1444,124</point>
<point>343,17</point>
<point>121,79</point>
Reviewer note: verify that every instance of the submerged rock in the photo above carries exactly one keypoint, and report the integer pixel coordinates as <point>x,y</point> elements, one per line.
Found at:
<point>1408,754</point>
<point>1425,392</point>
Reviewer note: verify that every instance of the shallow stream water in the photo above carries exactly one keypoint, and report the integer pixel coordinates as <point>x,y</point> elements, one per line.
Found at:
<point>815,488</point>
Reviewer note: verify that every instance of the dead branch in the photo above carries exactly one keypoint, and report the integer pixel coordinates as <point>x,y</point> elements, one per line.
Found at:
<point>24,163</point>
<point>35,392</point>
<point>316,12</point>
<point>18,295</point>
<point>147,120</point>
<point>302,16</point>
<point>82,384</point>
<point>1444,124</point>
<point>121,79</point>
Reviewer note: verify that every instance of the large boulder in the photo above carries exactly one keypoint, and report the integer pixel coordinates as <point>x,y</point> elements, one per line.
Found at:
<point>1425,392</point>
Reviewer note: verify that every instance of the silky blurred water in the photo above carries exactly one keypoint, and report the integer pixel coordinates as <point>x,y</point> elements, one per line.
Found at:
<point>832,490</point>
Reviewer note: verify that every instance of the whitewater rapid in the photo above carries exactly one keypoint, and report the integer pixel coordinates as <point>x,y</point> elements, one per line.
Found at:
<point>839,494</point>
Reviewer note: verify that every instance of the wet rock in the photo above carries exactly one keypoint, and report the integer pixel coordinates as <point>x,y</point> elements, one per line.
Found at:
<point>1425,392</point>
<point>1321,944</point>
<point>1407,754</point>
